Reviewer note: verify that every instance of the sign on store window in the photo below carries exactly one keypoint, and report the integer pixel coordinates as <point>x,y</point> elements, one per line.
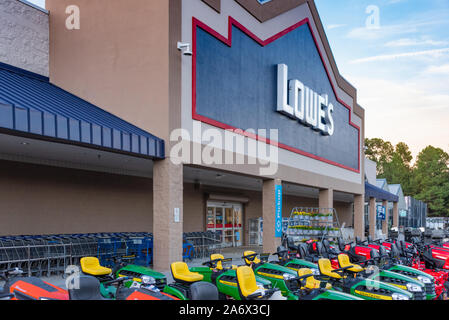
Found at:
<point>381,212</point>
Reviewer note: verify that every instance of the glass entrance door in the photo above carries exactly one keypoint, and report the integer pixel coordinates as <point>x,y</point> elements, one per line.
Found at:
<point>226,219</point>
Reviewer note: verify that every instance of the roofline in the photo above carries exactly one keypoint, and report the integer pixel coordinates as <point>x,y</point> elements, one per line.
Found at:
<point>34,6</point>
<point>23,72</point>
<point>39,77</point>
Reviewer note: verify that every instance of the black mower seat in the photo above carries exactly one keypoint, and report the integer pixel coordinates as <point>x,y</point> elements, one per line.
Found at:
<point>302,250</point>
<point>89,289</point>
<point>282,253</point>
<point>203,291</point>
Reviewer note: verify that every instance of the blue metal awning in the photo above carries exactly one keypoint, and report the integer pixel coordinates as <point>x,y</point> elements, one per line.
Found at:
<point>31,105</point>
<point>372,191</point>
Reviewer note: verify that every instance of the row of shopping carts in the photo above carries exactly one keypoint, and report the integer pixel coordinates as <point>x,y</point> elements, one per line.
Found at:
<point>201,244</point>
<point>48,255</point>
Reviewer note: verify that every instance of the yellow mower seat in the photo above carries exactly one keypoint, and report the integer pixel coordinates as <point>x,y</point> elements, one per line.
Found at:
<point>326,269</point>
<point>181,272</point>
<point>343,261</point>
<point>311,282</point>
<point>219,265</point>
<point>91,266</point>
<point>246,280</point>
<point>248,262</point>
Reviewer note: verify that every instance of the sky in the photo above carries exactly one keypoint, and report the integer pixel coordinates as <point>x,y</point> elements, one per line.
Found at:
<point>400,67</point>
<point>396,53</point>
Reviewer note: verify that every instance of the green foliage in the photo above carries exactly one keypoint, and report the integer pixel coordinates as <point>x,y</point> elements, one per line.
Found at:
<point>393,162</point>
<point>426,180</point>
<point>430,180</point>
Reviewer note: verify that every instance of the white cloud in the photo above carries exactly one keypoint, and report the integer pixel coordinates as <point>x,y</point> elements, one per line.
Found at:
<point>392,30</point>
<point>407,42</point>
<point>335,26</point>
<point>436,53</point>
<point>405,111</point>
<point>438,70</point>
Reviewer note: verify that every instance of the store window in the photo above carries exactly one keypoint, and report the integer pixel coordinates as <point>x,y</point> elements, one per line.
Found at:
<point>226,219</point>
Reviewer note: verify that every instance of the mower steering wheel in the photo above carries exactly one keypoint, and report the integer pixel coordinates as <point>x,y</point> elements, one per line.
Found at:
<point>342,270</point>
<point>118,280</point>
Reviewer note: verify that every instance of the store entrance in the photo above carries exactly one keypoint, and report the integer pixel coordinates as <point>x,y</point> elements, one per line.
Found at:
<point>226,219</point>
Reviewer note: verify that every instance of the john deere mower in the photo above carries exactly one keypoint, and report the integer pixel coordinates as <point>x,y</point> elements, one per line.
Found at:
<point>293,284</point>
<point>224,278</point>
<point>368,289</point>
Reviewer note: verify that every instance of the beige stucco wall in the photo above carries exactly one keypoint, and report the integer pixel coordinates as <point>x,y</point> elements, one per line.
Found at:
<point>24,36</point>
<point>48,200</point>
<point>38,199</point>
<point>116,60</point>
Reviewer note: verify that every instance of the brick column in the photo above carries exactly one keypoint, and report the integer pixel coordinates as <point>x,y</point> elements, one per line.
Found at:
<point>359,216</point>
<point>385,223</point>
<point>270,242</point>
<point>167,199</point>
<point>372,217</point>
<point>326,199</point>
<point>395,215</point>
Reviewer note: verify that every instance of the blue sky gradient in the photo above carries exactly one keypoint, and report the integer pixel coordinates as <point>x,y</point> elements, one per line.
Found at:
<point>399,67</point>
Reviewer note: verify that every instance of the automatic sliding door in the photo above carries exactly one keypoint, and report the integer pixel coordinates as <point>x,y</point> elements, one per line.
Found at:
<point>237,224</point>
<point>226,220</point>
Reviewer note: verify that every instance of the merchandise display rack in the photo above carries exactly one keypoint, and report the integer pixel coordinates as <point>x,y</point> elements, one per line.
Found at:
<point>307,223</point>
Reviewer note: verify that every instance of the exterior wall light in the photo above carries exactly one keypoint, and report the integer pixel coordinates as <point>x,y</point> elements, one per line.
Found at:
<point>185,48</point>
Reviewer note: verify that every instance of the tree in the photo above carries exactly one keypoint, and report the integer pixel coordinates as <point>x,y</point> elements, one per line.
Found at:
<point>430,180</point>
<point>379,151</point>
<point>393,163</point>
<point>398,170</point>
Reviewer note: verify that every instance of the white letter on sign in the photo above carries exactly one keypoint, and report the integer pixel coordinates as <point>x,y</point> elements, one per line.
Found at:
<point>301,103</point>
<point>297,98</point>
<point>283,105</point>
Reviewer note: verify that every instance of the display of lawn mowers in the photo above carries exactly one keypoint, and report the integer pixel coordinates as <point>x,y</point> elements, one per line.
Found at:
<point>294,285</point>
<point>399,261</point>
<point>421,257</point>
<point>224,278</point>
<point>391,260</point>
<point>189,285</point>
<point>389,273</point>
<point>139,274</point>
<point>293,260</point>
<point>89,288</point>
<point>248,288</point>
<point>369,289</point>
<point>17,287</point>
<point>124,281</point>
<point>373,270</point>
<point>325,250</point>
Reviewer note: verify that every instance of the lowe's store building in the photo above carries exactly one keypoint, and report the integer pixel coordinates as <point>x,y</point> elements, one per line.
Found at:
<point>173,117</point>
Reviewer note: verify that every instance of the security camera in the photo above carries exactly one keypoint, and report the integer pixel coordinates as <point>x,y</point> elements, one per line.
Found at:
<point>185,48</point>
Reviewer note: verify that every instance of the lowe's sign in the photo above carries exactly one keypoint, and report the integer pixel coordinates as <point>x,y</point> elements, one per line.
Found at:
<point>302,103</point>
<point>242,82</point>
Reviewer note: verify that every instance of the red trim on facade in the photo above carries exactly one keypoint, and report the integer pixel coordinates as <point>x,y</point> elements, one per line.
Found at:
<point>228,41</point>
